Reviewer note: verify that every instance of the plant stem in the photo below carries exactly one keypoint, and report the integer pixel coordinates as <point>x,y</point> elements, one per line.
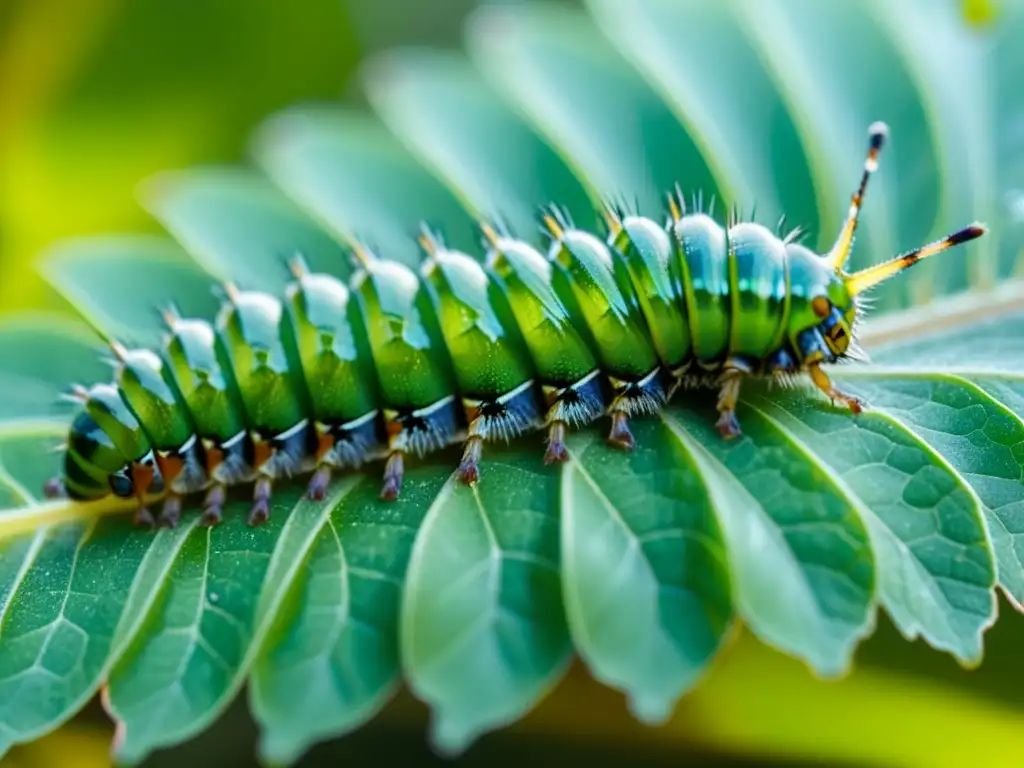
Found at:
<point>22,520</point>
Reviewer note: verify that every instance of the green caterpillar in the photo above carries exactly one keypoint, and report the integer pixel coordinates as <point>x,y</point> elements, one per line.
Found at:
<point>396,363</point>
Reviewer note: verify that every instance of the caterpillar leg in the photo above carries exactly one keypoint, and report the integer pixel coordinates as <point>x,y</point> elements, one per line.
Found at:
<point>420,431</point>
<point>556,451</point>
<point>619,436</point>
<point>505,417</point>
<point>634,398</point>
<point>224,466</point>
<point>170,515</point>
<point>213,505</point>
<point>469,467</point>
<point>262,492</point>
<point>342,445</point>
<point>144,518</point>
<point>183,473</point>
<point>824,383</point>
<point>317,488</point>
<point>393,472</point>
<point>279,456</point>
<point>54,488</point>
<point>143,474</point>
<point>677,379</point>
<point>728,425</point>
<point>574,406</point>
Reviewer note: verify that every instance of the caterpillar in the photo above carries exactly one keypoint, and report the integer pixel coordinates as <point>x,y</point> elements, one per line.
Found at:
<point>396,363</point>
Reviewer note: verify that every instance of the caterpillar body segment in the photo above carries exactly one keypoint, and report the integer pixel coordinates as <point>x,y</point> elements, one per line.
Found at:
<point>759,297</point>
<point>209,393</point>
<point>325,340</point>
<point>493,370</point>
<point>563,358</point>
<point>593,280</point>
<point>702,264</point>
<point>398,363</point>
<point>147,386</point>
<point>650,258</point>
<point>414,368</point>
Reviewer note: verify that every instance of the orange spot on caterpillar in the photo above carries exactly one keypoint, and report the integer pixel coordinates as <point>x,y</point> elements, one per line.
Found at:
<point>262,450</point>
<point>171,465</point>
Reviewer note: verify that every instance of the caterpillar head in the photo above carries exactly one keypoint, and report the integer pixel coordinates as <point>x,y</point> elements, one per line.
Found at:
<point>836,306</point>
<point>838,313</point>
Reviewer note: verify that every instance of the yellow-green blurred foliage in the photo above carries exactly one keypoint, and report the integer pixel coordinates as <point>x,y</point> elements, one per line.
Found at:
<point>979,13</point>
<point>97,94</point>
<point>73,746</point>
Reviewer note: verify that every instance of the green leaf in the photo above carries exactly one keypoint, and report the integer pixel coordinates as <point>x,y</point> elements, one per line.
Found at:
<point>726,108</point>
<point>980,436</point>
<point>944,64</point>
<point>72,607</point>
<point>336,637</point>
<point>576,89</point>
<point>64,610</point>
<point>802,566</point>
<point>925,524</point>
<point>815,55</point>
<point>238,224</point>
<point>1006,58</point>
<point>644,569</point>
<point>44,354</point>
<point>121,284</point>
<point>211,612</point>
<point>201,637</point>
<point>28,458</point>
<point>451,118</point>
<point>483,632</point>
<point>359,180</point>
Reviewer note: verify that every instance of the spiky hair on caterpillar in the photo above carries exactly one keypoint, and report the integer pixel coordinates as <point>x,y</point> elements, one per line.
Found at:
<point>397,363</point>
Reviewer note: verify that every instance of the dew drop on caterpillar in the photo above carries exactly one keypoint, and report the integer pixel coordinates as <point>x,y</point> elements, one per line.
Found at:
<point>398,363</point>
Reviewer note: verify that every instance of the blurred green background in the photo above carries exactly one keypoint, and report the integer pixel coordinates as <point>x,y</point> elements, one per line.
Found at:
<point>96,95</point>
